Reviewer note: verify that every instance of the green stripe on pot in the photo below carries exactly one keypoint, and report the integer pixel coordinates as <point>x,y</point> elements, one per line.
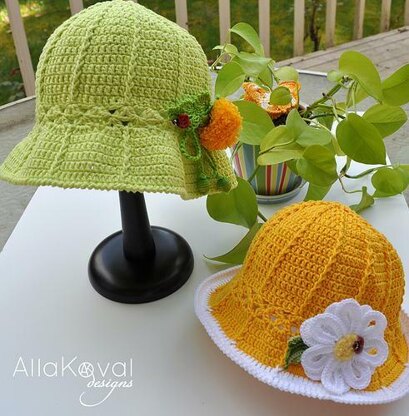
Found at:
<point>272,180</point>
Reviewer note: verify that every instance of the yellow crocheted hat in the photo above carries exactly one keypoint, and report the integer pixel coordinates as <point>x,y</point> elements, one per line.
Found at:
<point>121,95</point>
<point>316,307</point>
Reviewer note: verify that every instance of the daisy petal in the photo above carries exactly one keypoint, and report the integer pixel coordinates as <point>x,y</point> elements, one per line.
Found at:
<point>377,359</point>
<point>323,329</point>
<point>357,374</point>
<point>350,312</point>
<point>314,360</point>
<point>377,329</point>
<point>346,344</point>
<point>332,378</point>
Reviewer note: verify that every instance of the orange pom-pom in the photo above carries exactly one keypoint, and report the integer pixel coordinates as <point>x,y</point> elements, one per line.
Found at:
<point>223,128</point>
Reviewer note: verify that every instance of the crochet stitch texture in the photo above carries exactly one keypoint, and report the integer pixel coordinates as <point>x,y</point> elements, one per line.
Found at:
<point>303,259</point>
<point>105,81</point>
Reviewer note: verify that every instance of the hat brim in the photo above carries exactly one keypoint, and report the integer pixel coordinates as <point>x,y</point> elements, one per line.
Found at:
<point>139,157</point>
<point>277,377</point>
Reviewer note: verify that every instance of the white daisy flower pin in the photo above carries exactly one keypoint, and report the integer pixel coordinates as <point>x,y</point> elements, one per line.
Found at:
<point>341,347</point>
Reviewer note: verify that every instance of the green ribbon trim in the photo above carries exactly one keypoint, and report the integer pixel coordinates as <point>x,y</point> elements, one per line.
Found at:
<point>198,109</point>
<point>196,146</point>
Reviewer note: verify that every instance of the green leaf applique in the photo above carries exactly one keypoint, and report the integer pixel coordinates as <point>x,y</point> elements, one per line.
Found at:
<point>296,347</point>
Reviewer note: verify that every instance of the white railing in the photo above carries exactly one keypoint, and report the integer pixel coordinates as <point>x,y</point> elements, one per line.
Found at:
<point>181,11</point>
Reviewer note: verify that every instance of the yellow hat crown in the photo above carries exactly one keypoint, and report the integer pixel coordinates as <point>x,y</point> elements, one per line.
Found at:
<point>304,259</point>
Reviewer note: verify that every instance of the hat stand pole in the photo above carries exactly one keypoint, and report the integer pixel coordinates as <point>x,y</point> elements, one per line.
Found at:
<point>140,263</point>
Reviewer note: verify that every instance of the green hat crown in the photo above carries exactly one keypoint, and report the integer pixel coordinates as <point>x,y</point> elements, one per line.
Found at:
<point>105,82</point>
<point>119,53</point>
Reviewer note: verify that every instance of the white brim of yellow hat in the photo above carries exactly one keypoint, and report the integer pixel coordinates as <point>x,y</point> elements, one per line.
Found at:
<point>277,377</point>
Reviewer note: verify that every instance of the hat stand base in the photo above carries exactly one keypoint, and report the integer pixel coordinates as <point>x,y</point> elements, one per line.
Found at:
<point>140,263</point>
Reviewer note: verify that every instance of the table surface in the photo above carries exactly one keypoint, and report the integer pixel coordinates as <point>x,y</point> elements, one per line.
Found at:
<point>48,310</point>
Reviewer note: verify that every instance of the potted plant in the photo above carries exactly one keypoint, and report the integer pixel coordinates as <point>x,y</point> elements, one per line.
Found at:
<point>269,95</point>
<point>312,139</point>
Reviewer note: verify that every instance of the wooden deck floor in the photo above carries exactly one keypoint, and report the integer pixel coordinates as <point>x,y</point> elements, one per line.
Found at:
<point>389,51</point>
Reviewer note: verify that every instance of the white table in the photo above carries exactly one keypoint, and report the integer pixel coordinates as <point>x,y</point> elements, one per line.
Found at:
<point>49,310</point>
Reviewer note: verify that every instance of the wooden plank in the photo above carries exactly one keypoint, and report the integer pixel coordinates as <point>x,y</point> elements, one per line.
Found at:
<point>181,13</point>
<point>359,19</point>
<point>373,50</point>
<point>367,45</point>
<point>299,12</point>
<point>378,40</point>
<point>330,18</point>
<point>385,15</point>
<point>20,42</point>
<point>406,18</point>
<point>224,21</point>
<point>264,24</point>
<point>386,56</point>
<point>76,6</point>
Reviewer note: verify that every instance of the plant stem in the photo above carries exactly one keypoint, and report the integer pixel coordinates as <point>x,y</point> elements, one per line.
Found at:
<point>346,167</point>
<point>323,115</point>
<point>271,67</point>
<point>322,100</point>
<point>353,95</point>
<point>345,190</point>
<point>253,174</point>
<point>217,60</point>
<point>366,172</point>
<point>275,146</point>
<point>261,216</point>
<point>235,150</point>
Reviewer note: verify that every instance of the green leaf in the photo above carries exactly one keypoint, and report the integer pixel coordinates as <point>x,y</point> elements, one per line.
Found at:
<point>280,135</point>
<point>287,73</point>
<point>404,171</point>
<point>278,155</point>
<point>326,121</point>
<point>388,182</point>
<point>361,141</point>
<point>266,77</point>
<point>248,33</point>
<point>365,202</point>
<point>312,135</point>
<point>280,96</point>
<point>227,48</point>
<point>386,118</point>
<point>396,87</point>
<point>252,65</point>
<point>238,253</point>
<point>318,166</point>
<point>316,193</point>
<point>239,206</point>
<point>336,148</point>
<point>360,94</point>
<point>256,122</point>
<point>295,122</point>
<point>292,165</point>
<point>334,75</point>
<point>354,93</point>
<point>295,350</point>
<point>340,108</point>
<point>361,69</point>
<point>229,79</point>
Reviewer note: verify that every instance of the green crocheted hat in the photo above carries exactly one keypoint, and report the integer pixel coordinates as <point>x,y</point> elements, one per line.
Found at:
<point>110,83</point>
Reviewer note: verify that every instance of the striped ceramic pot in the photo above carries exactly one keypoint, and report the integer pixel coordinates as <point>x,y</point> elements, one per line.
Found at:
<point>272,183</point>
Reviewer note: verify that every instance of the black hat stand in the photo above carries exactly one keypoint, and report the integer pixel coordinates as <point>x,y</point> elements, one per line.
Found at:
<point>140,263</point>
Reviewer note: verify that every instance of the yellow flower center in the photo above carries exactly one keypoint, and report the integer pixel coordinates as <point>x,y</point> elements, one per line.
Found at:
<point>347,346</point>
